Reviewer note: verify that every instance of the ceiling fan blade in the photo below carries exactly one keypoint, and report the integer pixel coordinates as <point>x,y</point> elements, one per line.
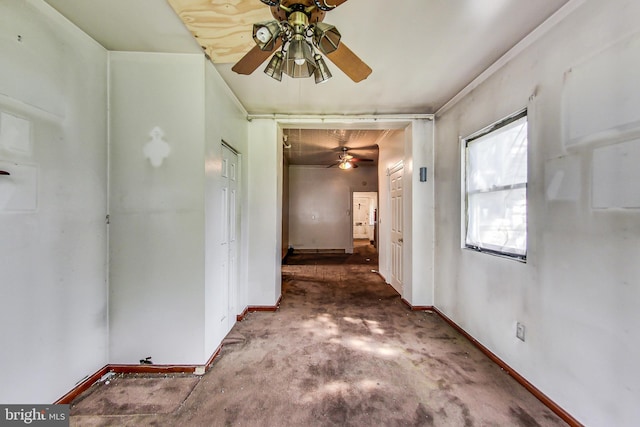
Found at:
<point>366,147</point>
<point>252,60</point>
<point>349,63</point>
<point>356,159</point>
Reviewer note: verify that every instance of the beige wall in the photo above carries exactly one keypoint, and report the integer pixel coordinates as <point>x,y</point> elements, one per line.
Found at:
<point>320,205</point>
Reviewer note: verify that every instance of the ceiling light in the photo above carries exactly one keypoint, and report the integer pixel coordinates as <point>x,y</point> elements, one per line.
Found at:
<point>326,37</point>
<point>302,42</point>
<point>274,68</point>
<point>345,165</point>
<point>265,34</point>
<point>322,73</point>
<point>299,60</point>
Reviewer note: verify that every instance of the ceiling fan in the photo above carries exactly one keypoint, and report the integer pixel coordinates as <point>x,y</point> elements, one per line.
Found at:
<point>347,161</point>
<point>297,35</point>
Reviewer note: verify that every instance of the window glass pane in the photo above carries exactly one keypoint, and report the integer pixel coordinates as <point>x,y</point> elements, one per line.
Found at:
<point>498,221</point>
<point>496,190</point>
<point>498,158</point>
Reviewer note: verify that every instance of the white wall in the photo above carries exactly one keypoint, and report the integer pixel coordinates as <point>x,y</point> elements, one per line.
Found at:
<point>419,215</point>
<point>320,203</point>
<point>157,213</point>
<point>578,292</point>
<point>168,288</point>
<point>414,147</point>
<point>264,207</point>
<point>53,292</point>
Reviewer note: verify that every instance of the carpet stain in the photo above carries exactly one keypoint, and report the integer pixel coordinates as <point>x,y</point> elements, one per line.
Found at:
<point>464,410</point>
<point>333,410</point>
<point>422,416</point>
<point>268,364</point>
<point>232,414</point>
<point>443,337</point>
<point>443,385</point>
<point>523,417</point>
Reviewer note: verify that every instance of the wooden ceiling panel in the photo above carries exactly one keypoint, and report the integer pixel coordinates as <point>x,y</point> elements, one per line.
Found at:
<point>222,27</point>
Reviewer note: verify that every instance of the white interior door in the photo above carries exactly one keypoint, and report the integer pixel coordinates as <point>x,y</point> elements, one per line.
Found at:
<point>231,224</point>
<point>396,229</point>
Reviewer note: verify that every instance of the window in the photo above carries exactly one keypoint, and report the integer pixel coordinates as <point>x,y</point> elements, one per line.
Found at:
<point>495,188</point>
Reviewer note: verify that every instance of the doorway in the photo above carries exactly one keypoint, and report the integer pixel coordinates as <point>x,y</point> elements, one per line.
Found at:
<point>365,212</point>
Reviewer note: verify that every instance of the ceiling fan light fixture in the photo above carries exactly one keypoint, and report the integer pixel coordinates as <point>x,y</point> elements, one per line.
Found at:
<point>345,165</point>
<point>299,61</point>
<point>322,73</point>
<point>274,68</point>
<point>265,34</point>
<point>326,37</point>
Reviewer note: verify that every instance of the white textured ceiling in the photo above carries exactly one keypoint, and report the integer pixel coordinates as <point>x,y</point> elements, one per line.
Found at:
<point>130,25</point>
<point>422,52</point>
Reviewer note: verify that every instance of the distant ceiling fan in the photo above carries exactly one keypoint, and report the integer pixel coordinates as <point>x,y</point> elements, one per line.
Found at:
<point>347,161</point>
<point>298,36</point>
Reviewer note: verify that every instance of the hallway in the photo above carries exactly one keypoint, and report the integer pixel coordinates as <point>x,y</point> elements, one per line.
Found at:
<point>341,350</point>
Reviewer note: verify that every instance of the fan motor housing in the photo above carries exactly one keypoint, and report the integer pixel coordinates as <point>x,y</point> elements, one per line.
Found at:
<point>280,14</point>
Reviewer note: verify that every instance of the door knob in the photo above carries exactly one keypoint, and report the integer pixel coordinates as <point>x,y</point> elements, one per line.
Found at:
<point>400,240</point>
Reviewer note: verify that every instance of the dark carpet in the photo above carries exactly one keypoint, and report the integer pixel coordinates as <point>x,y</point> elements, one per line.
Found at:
<point>342,350</point>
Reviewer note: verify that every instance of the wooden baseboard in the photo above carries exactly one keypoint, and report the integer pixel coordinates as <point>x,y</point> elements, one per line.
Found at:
<point>152,369</point>
<point>81,387</point>
<point>213,357</point>
<point>515,375</point>
<point>134,369</point>
<point>254,308</point>
<point>321,251</point>
<point>240,317</point>
<point>417,307</point>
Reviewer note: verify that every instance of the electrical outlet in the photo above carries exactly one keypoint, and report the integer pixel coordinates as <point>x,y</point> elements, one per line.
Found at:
<point>520,331</point>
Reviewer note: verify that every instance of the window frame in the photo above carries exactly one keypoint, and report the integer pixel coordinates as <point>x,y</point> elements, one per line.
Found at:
<point>464,144</point>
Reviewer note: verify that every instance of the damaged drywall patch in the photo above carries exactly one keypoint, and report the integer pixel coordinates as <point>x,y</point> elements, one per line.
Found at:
<point>157,149</point>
